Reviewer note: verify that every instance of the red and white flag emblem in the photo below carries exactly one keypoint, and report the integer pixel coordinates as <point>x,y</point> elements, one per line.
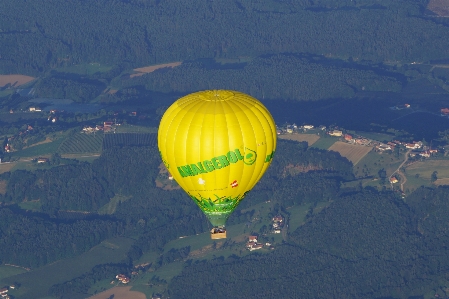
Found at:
<point>234,184</point>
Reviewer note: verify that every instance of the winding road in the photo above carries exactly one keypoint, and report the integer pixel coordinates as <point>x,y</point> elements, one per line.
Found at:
<point>403,177</point>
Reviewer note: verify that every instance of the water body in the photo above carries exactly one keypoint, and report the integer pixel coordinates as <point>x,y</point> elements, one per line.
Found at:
<point>66,105</point>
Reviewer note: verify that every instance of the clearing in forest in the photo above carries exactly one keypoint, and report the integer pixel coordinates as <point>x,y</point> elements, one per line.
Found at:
<point>14,80</point>
<point>119,293</point>
<point>352,152</point>
<point>439,7</point>
<point>149,69</point>
<point>309,138</point>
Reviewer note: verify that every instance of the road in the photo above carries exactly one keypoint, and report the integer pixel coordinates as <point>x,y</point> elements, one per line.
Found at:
<point>403,177</point>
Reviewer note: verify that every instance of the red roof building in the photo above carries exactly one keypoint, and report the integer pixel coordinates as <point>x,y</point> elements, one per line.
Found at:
<point>444,111</point>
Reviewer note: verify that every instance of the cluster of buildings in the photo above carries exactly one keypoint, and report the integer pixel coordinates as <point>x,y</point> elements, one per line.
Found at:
<point>278,223</point>
<point>8,148</point>
<point>122,278</point>
<point>253,244</point>
<point>4,292</point>
<point>287,128</point>
<point>360,140</point>
<point>106,127</point>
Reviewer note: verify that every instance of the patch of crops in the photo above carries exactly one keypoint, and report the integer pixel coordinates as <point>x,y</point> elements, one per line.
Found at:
<point>82,143</point>
<point>129,139</point>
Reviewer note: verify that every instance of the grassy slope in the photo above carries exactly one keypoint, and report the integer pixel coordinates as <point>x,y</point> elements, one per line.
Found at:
<point>35,284</point>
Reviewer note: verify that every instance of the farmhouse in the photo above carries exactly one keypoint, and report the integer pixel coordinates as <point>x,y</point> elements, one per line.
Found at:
<point>42,160</point>
<point>308,127</point>
<point>252,239</point>
<point>348,137</point>
<point>444,111</point>
<point>278,218</point>
<point>336,133</point>
<point>256,247</point>
<point>383,147</point>
<point>393,180</point>
<point>122,278</point>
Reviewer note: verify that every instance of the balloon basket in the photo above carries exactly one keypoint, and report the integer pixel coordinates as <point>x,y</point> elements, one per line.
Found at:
<point>218,233</point>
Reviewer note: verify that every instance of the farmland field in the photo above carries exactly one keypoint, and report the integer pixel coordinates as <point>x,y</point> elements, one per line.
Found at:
<point>14,80</point>
<point>309,138</point>
<point>427,167</point>
<point>119,293</point>
<point>82,143</point>
<point>441,182</point>
<point>39,150</point>
<point>7,271</point>
<point>33,286</point>
<point>324,142</point>
<point>149,69</point>
<point>353,153</point>
<point>129,139</point>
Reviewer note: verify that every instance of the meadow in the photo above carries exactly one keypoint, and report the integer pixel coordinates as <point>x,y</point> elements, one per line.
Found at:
<point>82,143</point>
<point>325,142</point>
<point>34,286</point>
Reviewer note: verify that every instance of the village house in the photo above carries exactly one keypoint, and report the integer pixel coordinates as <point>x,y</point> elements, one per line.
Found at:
<point>3,291</point>
<point>308,127</point>
<point>35,109</point>
<point>348,137</point>
<point>393,180</point>
<point>42,160</point>
<point>122,278</point>
<point>383,147</point>
<point>425,154</point>
<point>278,218</point>
<point>252,239</point>
<point>336,133</point>
<point>7,148</point>
<point>444,111</point>
<point>256,247</point>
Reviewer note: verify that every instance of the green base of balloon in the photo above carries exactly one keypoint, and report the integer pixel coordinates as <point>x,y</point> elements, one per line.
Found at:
<point>218,220</point>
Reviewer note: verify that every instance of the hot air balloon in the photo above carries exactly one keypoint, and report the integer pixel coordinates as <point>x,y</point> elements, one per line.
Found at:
<point>217,144</point>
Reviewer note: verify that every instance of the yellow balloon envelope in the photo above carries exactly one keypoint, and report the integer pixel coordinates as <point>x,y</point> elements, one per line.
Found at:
<point>217,144</point>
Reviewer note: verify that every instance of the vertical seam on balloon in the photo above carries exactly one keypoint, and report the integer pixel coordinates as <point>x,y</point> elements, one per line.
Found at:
<point>253,180</point>
<point>269,122</point>
<point>240,126</point>
<point>176,132</point>
<point>197,103</point>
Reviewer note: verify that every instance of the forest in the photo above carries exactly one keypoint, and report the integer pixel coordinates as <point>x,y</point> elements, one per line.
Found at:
<point>364,245</point>
<point>138,33</point>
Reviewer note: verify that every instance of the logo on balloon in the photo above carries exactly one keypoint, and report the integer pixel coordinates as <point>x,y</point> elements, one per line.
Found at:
<point>250,156</point>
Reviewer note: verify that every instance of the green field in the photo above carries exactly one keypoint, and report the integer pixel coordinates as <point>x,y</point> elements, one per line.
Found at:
<point>40,150</point>
<point>85,69</point>
<point>297,216</point>
<point>110,207</point>
<point>427,167</point>
<point>373,162</point>
<point>33,285</point>
<point>135,129</point>
<point>7,271</point>
<point>325,142</point>
<point>34,205</point>
<point>82,143</point>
